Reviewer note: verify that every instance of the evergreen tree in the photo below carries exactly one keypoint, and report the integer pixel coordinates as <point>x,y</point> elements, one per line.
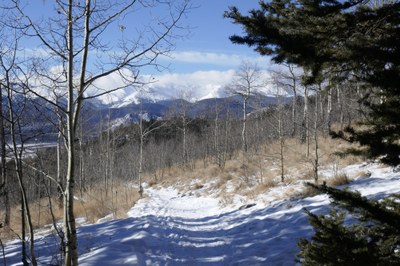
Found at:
<point>354,38</point>
<point>370,236</point>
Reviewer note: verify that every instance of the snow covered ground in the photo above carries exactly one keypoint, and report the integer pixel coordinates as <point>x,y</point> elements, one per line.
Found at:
<point>169,228</point>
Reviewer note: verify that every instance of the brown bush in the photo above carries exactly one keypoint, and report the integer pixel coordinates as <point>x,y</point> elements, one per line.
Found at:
<point>338,180</point>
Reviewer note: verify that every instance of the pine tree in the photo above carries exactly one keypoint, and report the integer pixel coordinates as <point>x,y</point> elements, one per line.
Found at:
<point>360,41</point>
<point>369,236</point>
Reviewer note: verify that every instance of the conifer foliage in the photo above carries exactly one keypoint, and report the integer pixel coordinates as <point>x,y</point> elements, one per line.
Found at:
<point>358,40</point>
<point>357,231</point>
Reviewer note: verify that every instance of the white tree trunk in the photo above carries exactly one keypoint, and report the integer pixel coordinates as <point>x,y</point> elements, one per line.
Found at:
<point>244,129</point>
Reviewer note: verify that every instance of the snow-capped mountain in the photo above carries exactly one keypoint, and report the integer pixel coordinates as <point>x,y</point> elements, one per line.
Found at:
<point>125,97</point>
<point>192,87</point>
<point>98,115</point>
<point>202,93</point>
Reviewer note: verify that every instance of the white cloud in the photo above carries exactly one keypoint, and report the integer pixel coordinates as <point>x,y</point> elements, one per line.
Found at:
<point>194,86</point>
<point>220,59</point>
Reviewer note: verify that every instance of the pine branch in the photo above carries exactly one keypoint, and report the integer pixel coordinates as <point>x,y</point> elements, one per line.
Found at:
<point>351,200</point>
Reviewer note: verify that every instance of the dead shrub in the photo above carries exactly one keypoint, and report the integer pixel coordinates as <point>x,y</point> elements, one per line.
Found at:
<point>197,186</point>
<point>338,180</point>
<point>225,176</point>
<point>307,191</point>
<point>262,187</point>
<point>152,182</point>
<point>308,174</point>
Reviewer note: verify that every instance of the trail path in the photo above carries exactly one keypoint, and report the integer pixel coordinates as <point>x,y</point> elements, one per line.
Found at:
<point>168,228</point>
<point>172,229</point>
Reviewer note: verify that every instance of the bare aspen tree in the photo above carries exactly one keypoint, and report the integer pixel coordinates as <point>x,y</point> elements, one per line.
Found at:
<point>246,82</point>
<point>340,104</point>
<point>289,80</point>
<point>13,81</point>
<point>306,122</point>
<point>180,111</point>
<point>14,117</point>
<point>281,137</point>
<point>219,154</point>
<point>60,132</point>
<point>6,49</point>
<point>72,36</point>
<point>216,136</point>
<point>316,159</point>
<point>329,111</point>
<point>279,114</point>
<point>108,160</point>
<point>315,134</point>
<point>4,191</point>
<point>144,131</point>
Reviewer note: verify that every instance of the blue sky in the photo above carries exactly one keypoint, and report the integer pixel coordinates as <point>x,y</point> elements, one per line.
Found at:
<point>204,60</point>
<point>208,46</point>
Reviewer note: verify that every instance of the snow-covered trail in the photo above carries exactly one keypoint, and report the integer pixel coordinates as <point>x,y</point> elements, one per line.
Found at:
<point>168,228</point>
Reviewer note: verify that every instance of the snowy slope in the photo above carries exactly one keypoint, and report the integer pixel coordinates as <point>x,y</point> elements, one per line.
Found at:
<point>193,87</point>
<point>169,228</point>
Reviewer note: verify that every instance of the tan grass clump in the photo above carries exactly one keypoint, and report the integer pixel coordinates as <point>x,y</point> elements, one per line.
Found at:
<point>307,191</point>
<point>338,180</point>
<point>261,188</point>
<point>98,202</point>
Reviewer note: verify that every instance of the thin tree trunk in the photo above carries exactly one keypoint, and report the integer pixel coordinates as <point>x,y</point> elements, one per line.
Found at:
<point>281,142</point>
<point>71,252</point>
<point>294,89</point>
<point>329,111</point>
<point>107,170</point>
<point>59,140</point>
<point>4,184</point>
<point>306,126</point>
<point>316,160</point>
<point>340,107</point>
<point>23,234</point>
<point>244,130</point>
<point>184,144</point>
<point>25,212</point>
<point>141,155</point>
<point>82,186</point>
<point>294,113</point>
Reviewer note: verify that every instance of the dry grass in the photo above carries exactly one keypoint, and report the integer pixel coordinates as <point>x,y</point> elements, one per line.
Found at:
<point>260,188</point>
<point>98,202</point>
<point>307,191</point>
<point>93,205</point>
<point>338,180</point>
<point>249,174</point>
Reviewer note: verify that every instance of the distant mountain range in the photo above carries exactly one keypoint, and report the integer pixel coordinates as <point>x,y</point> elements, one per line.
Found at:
<point>98,114</point>
<point>208,108</point>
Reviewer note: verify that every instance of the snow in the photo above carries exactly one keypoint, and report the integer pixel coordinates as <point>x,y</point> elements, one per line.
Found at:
<point>171,228</point>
